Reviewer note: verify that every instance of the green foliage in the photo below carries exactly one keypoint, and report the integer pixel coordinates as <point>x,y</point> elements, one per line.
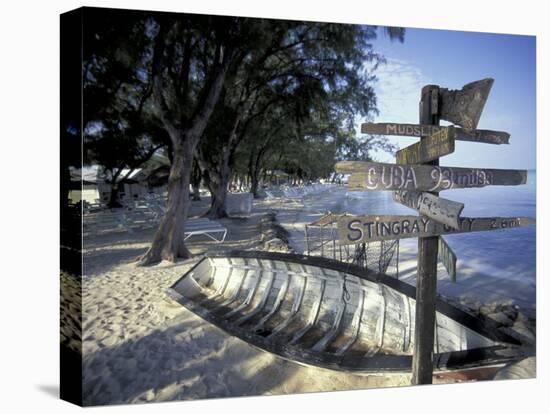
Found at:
<point>120,130</point>
<point>290,100</point>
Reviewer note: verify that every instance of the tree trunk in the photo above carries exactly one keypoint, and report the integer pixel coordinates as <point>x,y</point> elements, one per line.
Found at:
<point>254,173</point>
<point>168,242</point>
<point>217,183</point>
<point>196,181</point>
<point>196,192</point>
<point>113,198</point>
<point>254,184</point>
<point>219,173</point>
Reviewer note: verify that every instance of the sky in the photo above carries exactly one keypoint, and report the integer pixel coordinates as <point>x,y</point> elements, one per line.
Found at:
<point>452,59</point>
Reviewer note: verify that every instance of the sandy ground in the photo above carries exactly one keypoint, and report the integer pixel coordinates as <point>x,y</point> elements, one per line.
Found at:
<point>139,346</point>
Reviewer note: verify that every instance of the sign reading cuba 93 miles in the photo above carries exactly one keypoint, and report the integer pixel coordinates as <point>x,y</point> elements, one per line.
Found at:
<point>380,176</point>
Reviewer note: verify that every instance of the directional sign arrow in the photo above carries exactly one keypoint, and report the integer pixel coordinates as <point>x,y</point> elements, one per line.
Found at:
<point>413,130</point>
<point>439,209</point>
<point>380,176</point>
<point>436,145</point>
<point>363,229</point>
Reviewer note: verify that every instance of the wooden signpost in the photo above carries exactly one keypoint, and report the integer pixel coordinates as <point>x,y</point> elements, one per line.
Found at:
<point>417,179</point>
<point>364,229</point>
<point>413,130</point>
<point>447,257</point>
<point>436,145</point>
<point>437,208</point>
<point>426,268</point>
<point>380,176</point>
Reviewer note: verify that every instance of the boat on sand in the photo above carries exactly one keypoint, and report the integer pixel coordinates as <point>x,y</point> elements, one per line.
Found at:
<point>334,315</point>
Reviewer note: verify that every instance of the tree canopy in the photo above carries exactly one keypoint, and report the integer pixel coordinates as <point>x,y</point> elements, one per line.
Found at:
<point>224,96</point>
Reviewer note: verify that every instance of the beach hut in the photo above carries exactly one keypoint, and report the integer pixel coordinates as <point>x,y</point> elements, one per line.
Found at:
<point>94,184</point>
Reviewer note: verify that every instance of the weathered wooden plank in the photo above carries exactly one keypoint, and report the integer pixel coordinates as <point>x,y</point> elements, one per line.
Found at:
<point>362,229</point>
<point>331,333</point>
<point>436,145</point>
<point>355,324</point>
<point>439,209</point>
<point>259,307</point>
<point>379,176</point>
<point>447,257</point>
<point>313,315</point>
<point>426,269</point>
<point>276,305</point>
<point>249,296</point>
<point>296,304</point>
<point>413,130</point>
<point>463,107</point>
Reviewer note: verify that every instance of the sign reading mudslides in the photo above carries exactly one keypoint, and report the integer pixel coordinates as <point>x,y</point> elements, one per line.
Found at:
<point>436,145</point>
<point>440,209</point>
<point>363,229</point>
<point>391,177</point>
<point>413,130</point>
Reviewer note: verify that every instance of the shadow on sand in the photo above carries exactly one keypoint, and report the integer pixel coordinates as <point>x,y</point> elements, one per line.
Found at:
<point>190,360</point>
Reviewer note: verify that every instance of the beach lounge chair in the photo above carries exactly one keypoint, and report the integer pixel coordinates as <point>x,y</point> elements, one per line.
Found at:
<point>203,226</point>
<point>104,221</point>
<point>149,208</point>
<point>140,218</point>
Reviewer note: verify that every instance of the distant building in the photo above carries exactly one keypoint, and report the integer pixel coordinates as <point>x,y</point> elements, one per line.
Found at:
<point>96,185</point>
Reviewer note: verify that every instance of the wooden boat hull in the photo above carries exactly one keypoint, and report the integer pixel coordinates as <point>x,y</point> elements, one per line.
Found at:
<point>321,312</point>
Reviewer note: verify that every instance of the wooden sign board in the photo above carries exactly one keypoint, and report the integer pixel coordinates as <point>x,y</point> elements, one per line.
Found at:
<point>364,229</point>
<point>447,257</point>
<point>414,130</point>
<point>439,209</point>
<point>373,176</point>
<point>464,107</point>
<point>436,145</point>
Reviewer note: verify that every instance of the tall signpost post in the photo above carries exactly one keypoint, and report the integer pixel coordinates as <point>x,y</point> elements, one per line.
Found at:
<point>426,279</point>
<point>416,180</point>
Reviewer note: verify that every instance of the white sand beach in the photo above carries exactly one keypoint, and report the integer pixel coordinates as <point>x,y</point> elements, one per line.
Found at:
<point>140,346</point>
